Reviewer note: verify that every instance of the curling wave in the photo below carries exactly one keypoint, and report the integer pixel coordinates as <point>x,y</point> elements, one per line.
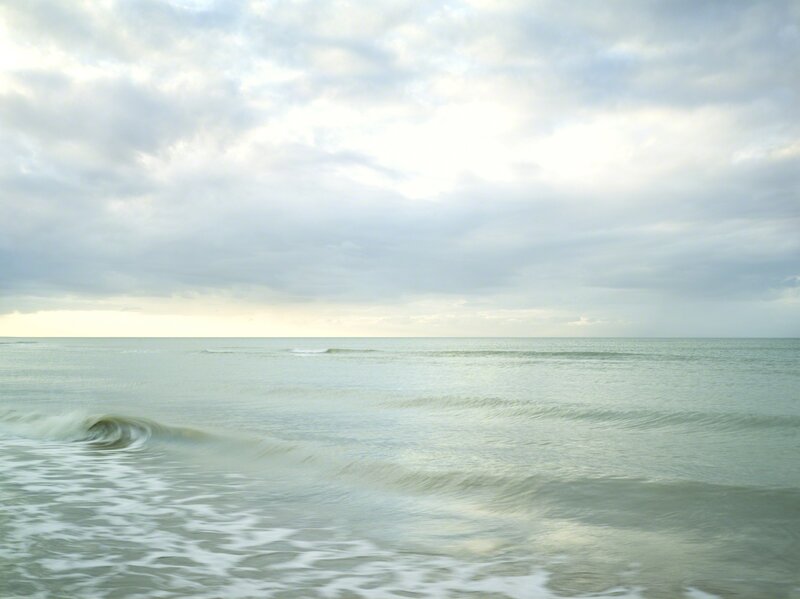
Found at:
<point>103,431</point>
<point>120,432</point>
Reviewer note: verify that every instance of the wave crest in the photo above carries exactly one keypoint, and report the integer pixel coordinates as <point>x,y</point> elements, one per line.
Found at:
<point>104,431</point>
<point>115,432</point>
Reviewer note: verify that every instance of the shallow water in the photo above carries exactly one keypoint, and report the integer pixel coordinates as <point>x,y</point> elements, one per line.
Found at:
<point>399,468</point>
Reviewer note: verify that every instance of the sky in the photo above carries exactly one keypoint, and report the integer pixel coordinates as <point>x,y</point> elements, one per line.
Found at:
<point>381,168</point>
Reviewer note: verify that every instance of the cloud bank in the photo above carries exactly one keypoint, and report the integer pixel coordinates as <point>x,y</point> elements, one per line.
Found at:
<point>473,167</point>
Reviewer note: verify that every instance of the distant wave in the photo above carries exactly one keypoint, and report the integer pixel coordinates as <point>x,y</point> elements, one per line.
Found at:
<point>503,353</point>
<point>521,353</point>
<point>631,419</point>
<point>300,351</point>
<point>477,353</point>
<point>238,350</point>
<point>333,350</point>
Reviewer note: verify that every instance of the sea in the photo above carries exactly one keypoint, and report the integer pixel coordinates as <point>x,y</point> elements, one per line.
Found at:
<point>400,468</point>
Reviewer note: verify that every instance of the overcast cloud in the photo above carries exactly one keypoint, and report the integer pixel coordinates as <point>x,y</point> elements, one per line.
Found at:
<point>482,167</point>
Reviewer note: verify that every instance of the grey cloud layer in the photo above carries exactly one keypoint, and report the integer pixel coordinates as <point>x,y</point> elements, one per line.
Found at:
<point>99,195</point>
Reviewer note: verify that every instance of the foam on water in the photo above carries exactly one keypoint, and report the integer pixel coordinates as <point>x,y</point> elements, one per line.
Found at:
<point>79,523</point>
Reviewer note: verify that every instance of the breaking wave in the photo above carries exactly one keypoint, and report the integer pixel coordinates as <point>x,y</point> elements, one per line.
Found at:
<point>104,431</point>
<point>525,492</point>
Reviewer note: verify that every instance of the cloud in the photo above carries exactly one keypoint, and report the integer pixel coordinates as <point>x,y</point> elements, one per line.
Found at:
<point>635,170</point>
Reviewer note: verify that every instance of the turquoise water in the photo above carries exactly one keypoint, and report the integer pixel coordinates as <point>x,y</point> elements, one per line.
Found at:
<point>392,468</point>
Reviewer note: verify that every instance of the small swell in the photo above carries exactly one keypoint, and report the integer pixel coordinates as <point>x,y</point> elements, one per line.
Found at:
<point>572,497</point>
<point>234,350</point>
<point>506,353</point>
<point>333,350</point>
<point>629,419</point>
<point>546,355</point>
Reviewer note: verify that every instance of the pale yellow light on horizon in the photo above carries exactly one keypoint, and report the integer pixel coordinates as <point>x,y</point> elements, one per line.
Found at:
<point>434,318</point>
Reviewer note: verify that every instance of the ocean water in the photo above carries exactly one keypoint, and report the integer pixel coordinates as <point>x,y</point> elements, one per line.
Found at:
<point>397,468</point>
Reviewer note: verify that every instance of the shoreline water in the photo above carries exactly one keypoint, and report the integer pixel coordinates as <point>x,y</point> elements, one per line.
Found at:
<point>524,468</point>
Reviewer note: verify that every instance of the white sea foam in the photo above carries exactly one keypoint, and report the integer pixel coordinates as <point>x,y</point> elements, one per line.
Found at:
<point>692,593</point>
<point>105,524</point>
